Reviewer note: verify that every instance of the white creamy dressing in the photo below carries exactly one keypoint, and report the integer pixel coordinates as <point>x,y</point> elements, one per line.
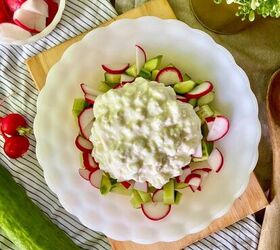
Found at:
<point>142,132</point>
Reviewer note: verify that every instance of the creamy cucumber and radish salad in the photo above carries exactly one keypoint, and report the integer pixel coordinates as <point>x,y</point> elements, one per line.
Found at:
<point>148,132</point>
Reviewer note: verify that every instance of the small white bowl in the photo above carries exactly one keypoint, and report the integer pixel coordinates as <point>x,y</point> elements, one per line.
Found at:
<point>43,33</point>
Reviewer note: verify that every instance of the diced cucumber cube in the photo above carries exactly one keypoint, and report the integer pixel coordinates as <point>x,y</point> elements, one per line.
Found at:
<point>136,200</point>
<point>207,148</point>
<point>154,74</point>
<point>132,71</point>
<point>178,197</point>
<point>206,99</point>
<point>112,79</point>
<point>78,106</point>
<point>120,189</point>
<point>184,87</point>
<point>204,112</point>
<point>145,74</point>
<point>106,185</point>
<point>180,185</point>
<point>103,87</point>
<point>193,102</point>
<point>168,192</point>
<point>145,197</point>
<point>153,63</point>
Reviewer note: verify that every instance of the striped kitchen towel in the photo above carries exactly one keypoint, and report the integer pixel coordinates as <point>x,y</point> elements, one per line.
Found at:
<point>79,16</point>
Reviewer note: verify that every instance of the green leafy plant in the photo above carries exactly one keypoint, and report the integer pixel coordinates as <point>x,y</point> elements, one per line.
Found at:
<point>249,8</point>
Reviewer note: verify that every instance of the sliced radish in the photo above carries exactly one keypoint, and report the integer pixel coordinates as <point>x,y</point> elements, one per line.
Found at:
<point>155,210</point>
<point>218,129</point>
<point>200,90</point>
<point>85,120</point>
<point>115,68</point>
<point>186,171</point>
<point>95,178</point>
<point>141,186</point>
<point>89,162</point>
<point>194,188</point>
<point>120,85</point>
<point>9,31</point>
<point>29,21</point>
<point>198,151</point>
<point>90,91</point>
<point>202,171</point>
<point>216,160</point>
<point>90,98</point>
<point>193,180</point>
<point>84,173</point>
<point>182,98</point>
<point>158,196</point>
<point>140,58</point>
<point>126,78</point>
<point>13,4</point>
<point>37,6</point>
<point>169,76</point>
<point>83,144</point>
<point>209,122</point>
<point>53,8</point>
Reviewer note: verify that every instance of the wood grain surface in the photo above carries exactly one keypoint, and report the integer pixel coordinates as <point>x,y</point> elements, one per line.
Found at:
<point>250,202</point>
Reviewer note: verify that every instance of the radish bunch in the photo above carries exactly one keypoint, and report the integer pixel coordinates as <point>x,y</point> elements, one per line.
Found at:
<point>20,19</point>
<point>155,203</point>
<point>14,129</point>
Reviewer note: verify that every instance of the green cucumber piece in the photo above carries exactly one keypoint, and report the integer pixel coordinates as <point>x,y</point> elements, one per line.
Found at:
<point>112,79</point>
<point>204,130</point>
<point>145,197</point>
<point>132,71</point>
<point>120,189</point>
<point>103,87</point>
<point>178,196</point>
<point>184,87</point>
<point>204,112</point>
<point>180,185</point>
<point>168,192</point>
<point>79,105</point>
<point>145,74</point>
<point>207,148</point>
<point>154,74</point>
<point>193,102</point>
<point>153,63</point>
<point>106,185</point>
<point>136,200</point>
<point>206,99</point>
<point>24,223</point>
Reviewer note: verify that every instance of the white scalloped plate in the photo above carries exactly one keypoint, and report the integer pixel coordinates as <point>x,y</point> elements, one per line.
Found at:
<point>192,51</point>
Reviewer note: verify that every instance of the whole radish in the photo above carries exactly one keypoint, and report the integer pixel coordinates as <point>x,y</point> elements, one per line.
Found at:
<point>16,146</point>
<point>14,124</point>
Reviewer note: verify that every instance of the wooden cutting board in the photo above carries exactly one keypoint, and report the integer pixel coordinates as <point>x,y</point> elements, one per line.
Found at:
<point>250,202</point>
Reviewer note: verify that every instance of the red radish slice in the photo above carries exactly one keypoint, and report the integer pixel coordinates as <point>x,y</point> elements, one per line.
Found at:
<point>218,129</point>
<point>194,188</point>
<point>181,178</point>
<point>182,98</point>
<point>85,120</point>
<point>29,21</point>
<point>200,90</point>
<point>84,173</point>
<point>203,174</point>
<point>169,76</point>
<point>198,151</point>
<point>10,31</point>
<point>120,85</point>
<point>90,91</point>
<point>155,210</point>
<point>127,79</point>
<point>95,178</point>
<point>53,8</point>
<point>193,180</point>
<point>202,171</point>
<point>14,4</point>
<point>83,144</point>
<point>158,196</point>
<point>141,186</point>
<point>89,162</point>
<point>37,6</point>
<point>209,122</point>
<point>140,58</point>
<point>90,98</point>
<point>115,68</point>
<point>216,160</point>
